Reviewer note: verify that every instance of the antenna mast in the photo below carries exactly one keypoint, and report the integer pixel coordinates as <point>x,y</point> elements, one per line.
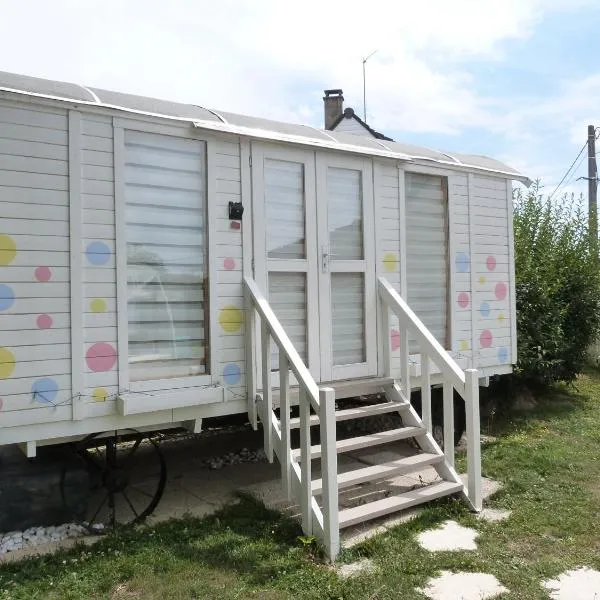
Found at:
<point>364,62</point>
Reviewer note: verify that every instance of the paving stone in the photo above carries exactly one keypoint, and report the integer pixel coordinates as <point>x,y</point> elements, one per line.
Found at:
<point>362,566</point>
<point>449,537</point>
<point>463,586</point>
<point>494,515</point>
<point>577,584</point>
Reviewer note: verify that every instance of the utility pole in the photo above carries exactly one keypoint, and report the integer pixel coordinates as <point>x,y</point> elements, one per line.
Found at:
<point>592,189</point>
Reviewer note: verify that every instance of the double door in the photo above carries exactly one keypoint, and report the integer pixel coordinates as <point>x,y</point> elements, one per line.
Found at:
<point>314,256</point>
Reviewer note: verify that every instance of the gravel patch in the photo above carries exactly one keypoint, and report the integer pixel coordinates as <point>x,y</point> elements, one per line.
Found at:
<point>235,458</point>
<point>36,536</point>
<point>365,565</point>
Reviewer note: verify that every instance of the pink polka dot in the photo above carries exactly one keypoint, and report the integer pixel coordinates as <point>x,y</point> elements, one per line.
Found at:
<point>463,299</point>
<point>101,357</point>
<point>43,274</point>
<point>501,290</point>
<point>486,338</point>
<point>395,338</point>
<point>44,322</point>
<point>491,263</point>
<point>229,264</point>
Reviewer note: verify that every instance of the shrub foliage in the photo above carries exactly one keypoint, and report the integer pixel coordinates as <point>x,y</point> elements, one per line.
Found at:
<point>557,286</point>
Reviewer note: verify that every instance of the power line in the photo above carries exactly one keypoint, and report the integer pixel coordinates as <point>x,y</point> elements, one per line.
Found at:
<point>568,170</point>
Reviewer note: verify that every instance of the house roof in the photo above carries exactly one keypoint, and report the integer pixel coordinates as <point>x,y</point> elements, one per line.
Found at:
<point>350,114</point>
<point>253,127</point>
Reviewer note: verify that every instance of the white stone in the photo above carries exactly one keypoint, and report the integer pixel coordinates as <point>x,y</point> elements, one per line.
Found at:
<point>494,515</point>
<point>450,536</point>
<point>463,586</point>
<point>577,584</point>
<point>362,566</point>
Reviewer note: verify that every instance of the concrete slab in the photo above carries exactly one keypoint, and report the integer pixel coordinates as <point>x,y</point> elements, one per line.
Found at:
<point>365,565</point>
<point>449,537</point>
<point>494,515</point>
<point>577,584</point>
<point>463,586</point>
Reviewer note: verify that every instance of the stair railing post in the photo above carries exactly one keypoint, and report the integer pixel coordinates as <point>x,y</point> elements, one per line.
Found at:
<point>473,438</point>
<point>331,528</point>
<point>284,417</point>
<point>265,341</point>
<point>305,463</point>
<point>426,391</point>
<point>404,361</point>
<point>448,391</point>
<point>387,342</point>
<point>251,358</point>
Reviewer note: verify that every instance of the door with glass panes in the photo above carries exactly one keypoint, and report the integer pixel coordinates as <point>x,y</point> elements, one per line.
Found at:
<point>314,257</point>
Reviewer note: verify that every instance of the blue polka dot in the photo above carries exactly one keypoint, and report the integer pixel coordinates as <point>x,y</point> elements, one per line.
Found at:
<point>7,297</point>
<point>232,374</point>
<point>503,354</point>
<point>98,253</point>
<point>44,390</point>
<point>484,309</point>
<point>462,262</point>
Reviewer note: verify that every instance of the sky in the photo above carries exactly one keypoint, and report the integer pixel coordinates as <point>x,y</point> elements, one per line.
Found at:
<point>518,80</point>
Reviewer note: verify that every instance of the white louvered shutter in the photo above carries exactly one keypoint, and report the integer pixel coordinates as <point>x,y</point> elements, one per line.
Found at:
<point>427,251</point>
<point>165,209</point>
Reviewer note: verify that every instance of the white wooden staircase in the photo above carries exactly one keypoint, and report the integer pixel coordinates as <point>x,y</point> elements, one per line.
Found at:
<point>319,497</point>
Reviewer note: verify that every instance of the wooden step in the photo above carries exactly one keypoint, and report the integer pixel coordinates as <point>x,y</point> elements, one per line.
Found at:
<point>366,441</point>
<point>379,508</point>
<point>402,466</point>
<point>358,412</point>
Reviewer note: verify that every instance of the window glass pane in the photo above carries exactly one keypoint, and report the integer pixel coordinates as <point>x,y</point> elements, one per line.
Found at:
<point>287,297</point>
<point>344,191</point>
<point>348,318</point>
<point>284,197</point>
<point>165,211</point>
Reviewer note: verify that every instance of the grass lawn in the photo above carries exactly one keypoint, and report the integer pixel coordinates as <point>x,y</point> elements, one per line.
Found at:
<point>547,458</point>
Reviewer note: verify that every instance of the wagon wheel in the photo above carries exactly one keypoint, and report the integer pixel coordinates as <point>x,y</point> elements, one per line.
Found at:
<point>128,475</point>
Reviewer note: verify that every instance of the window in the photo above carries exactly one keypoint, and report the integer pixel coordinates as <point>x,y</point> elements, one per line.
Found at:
<point>165,230</point>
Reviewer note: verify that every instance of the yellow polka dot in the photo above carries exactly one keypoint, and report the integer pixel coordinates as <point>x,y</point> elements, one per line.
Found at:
<point>482,280</point>
<point>464,345</point>
<point>8,250</point>
<point>7,363</point>
<point>501,318</point>
<point>390,262</point>
<point>98,305</point>
<point>230,319</point>
<point>100,394</point>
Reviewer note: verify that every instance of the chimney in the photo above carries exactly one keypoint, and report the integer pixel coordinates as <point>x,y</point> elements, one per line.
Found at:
<point>334,106</point>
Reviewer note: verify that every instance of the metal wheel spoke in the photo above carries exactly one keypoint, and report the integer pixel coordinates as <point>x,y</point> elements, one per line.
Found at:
<point>98,510</point>
<point>130,504</point>
<point>132,451</point>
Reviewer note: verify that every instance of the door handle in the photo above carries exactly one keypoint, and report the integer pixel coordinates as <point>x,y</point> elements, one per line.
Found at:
<point>325,259</point>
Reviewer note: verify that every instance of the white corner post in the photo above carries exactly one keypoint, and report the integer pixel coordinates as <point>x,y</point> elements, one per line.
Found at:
<point>331,527</point>
<point>473,439</point>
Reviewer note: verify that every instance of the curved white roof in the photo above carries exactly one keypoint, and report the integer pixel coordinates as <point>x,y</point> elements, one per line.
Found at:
<point>205,118</point>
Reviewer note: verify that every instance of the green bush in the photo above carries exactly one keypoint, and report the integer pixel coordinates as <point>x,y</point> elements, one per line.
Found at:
<point>557,287</point>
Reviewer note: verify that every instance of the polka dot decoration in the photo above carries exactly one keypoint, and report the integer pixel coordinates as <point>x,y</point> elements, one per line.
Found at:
<point>100,394</point>
<point>462,263</point>
<point>463,299</point>
<point>484,309</point>
<point>45,390</point>
<point>463,345</point>
<point>229,264</point>
<point>44,322</point>
<point>482,280</point>
<point>395,339</point>
<point>503,355</point>
<point>232,374</point>
<point>8,250</point>
<point>501,290</point>
<point>490,263</point>
<point>230,319</point>
<point>98,305</point>
<point>501,318</point>
<point>7,363</point>
<point>390,262</point>
<point>486,338</point>
<point>98,253</point>
<point>7,297</point>
<point>43,274</point>
<point>101,357</point>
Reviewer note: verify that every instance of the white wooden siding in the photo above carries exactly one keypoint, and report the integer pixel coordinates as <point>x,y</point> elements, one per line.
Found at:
<point>35,298</point>
<point>352,126</point>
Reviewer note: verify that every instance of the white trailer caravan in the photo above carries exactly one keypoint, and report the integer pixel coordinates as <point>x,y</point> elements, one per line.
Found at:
<point>161,263</point>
